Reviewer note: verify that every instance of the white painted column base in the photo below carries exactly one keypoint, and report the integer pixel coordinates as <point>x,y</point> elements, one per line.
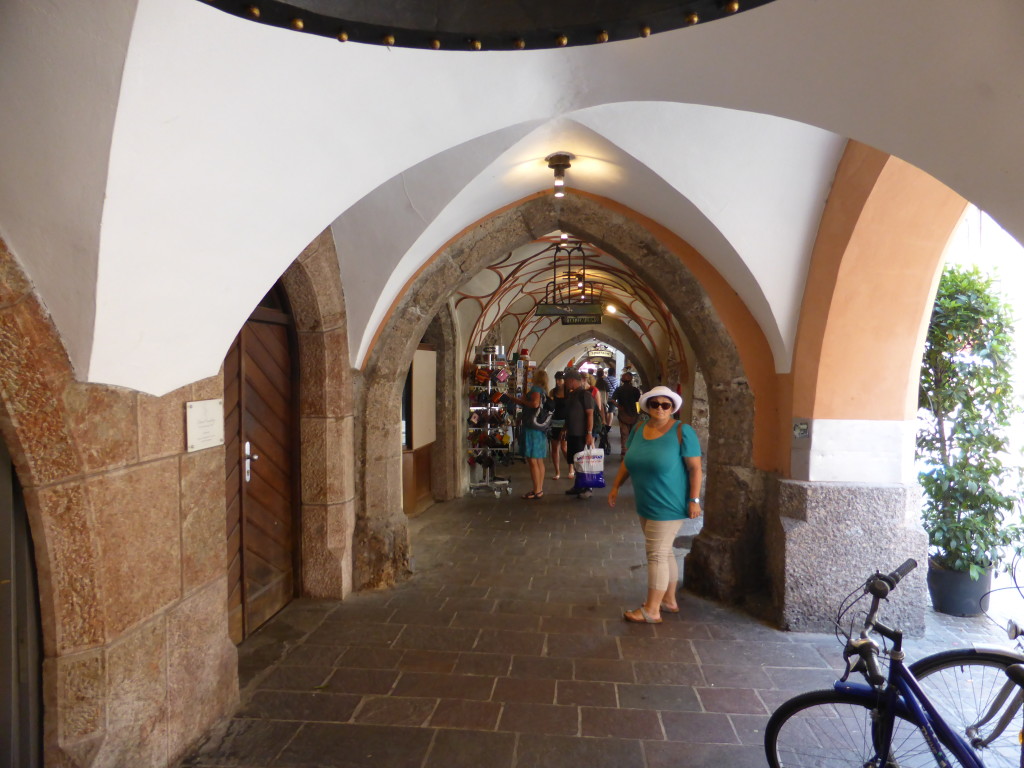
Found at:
<point>853,451</point>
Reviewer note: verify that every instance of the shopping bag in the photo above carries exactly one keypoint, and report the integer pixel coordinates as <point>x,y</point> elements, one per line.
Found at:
<point>589,465</point>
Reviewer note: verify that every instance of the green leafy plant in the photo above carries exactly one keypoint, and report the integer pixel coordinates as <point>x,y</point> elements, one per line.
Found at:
<point>966,402</point>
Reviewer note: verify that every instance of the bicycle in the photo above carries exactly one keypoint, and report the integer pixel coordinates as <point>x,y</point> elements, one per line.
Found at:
<point>891,722</point>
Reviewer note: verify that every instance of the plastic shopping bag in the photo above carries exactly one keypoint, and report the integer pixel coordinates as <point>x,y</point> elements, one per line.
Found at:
<point>589,466</point>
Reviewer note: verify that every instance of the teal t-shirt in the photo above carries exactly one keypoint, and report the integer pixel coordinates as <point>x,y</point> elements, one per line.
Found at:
<point>661,483</point>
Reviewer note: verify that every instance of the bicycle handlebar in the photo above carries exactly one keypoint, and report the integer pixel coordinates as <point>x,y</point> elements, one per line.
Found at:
<point>878,586</point>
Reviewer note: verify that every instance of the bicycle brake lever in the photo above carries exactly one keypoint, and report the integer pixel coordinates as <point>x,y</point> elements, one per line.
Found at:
<point>846,674</point>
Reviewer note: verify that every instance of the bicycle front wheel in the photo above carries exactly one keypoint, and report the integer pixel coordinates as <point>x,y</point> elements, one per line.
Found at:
<point>964,685</point>
<point>833,729</point>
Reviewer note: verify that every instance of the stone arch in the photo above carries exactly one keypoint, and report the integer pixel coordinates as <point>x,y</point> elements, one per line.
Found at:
<point>716,564</point>
<point>867,303</point>
<point>641,360</point>
<point>313,286</point>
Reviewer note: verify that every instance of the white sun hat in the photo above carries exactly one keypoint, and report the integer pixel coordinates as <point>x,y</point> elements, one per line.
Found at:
<point>661,392</point>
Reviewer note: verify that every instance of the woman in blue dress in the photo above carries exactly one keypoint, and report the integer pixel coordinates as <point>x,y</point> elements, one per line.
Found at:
<point>663,458</point>
<point>535,441</point>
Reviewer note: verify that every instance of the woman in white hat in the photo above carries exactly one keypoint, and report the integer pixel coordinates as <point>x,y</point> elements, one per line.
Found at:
<point>663,458</point>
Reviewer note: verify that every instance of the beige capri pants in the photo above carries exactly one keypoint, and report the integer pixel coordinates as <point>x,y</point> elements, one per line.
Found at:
<point>662,569</point>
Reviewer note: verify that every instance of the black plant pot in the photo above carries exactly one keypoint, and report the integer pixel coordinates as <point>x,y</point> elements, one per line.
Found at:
<point>956,593</point>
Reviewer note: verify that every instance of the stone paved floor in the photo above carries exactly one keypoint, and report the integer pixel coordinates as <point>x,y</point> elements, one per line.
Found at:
<point>507,650</point>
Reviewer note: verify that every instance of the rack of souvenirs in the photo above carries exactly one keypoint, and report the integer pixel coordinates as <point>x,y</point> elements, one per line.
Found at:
<point>489,424</point>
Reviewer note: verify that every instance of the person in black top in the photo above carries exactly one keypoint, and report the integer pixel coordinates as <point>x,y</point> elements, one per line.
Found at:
<point>556,435</point>
<point>626,397</point>
<point>579,423</point>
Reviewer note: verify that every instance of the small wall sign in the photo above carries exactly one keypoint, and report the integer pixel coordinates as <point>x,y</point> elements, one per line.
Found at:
<point>204,424</point>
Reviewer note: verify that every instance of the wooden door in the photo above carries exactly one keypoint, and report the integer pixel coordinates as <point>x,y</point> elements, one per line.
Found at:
<point>21,652</point>
<point>261,487</point>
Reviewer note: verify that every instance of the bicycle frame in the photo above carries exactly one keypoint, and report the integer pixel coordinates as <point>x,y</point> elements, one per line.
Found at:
<point>903,696</point>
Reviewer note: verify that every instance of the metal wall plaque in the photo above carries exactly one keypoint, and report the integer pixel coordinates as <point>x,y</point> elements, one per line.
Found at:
<point>581,320</point>
<point>204,424</point>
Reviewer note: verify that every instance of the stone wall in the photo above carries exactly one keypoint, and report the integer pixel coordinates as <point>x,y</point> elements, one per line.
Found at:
<point>128,531</point>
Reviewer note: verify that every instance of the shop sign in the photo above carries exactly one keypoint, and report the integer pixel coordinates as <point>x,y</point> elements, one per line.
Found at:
<point>570,310</point>
<point>581,320</point>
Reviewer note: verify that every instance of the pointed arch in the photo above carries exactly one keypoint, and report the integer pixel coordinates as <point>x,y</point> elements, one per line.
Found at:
<point>642,361</point>
<point>694,293</point>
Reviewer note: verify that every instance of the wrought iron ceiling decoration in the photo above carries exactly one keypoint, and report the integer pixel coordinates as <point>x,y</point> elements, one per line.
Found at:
<point>485,25</point>
<point>570,296</point>
<point>505,295</point>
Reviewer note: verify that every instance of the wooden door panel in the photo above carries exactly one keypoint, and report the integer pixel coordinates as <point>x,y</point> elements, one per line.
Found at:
<point>272,341</point>
<point>259,413</point>
<point>269,371</point>
<point>267,548</point>
<point>267,447</point>
<point>261,516</point>
<point>267,517</point>
<point>266,377</point>
<point>233,491</point>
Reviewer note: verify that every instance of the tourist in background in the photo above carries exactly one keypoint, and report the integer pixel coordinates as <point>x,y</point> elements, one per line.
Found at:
<point>535,441</point>
<point>626,398</point>
<point>556,435</point>
<point>579,423</point>
<point>613,381</point>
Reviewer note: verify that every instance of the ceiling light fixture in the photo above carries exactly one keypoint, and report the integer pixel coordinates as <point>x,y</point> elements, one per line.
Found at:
<point>559,162</point>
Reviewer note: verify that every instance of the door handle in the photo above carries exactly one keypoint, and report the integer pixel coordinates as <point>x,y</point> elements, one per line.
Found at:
<point>249,458</point>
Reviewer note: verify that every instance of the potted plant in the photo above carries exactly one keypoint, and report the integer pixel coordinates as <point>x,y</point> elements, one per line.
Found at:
<point>966,402</point>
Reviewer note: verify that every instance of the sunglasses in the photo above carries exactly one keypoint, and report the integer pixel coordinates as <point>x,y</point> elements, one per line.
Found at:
<point>666,404</point>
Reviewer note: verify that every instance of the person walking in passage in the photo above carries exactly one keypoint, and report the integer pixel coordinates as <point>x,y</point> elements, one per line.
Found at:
<point>579,424</point>
<point>664,461</point>
<point>555,434</point>
<point>535,441</point>
<point>626,397</point>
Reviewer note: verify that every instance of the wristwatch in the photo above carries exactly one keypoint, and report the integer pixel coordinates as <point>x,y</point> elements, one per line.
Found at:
<point>695,501</point>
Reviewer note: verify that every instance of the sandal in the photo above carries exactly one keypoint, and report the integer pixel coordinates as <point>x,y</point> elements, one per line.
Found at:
<point>669,608</point>
<point>647,618</point>
<point>533,495</point>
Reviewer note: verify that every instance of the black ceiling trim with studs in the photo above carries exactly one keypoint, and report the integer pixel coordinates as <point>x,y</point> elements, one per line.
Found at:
<point>488,25</point>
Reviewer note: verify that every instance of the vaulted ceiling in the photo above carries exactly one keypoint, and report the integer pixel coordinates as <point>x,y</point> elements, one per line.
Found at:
<point>163,152</point>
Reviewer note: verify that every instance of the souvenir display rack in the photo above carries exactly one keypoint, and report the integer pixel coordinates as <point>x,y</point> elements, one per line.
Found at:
<point>489,424</point>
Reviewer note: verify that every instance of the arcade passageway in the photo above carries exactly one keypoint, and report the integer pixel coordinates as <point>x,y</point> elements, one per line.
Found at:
<point>507,649</point>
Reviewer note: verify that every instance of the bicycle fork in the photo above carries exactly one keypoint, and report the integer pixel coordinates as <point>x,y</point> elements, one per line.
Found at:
<point>974,731</point>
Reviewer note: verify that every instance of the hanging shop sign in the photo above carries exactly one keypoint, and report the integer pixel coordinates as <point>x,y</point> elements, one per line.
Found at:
<point>604,354</point>
<point>570,310</point>
<point>581,319</point>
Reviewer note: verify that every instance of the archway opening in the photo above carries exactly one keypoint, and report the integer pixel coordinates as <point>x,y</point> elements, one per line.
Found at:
<point>722,552</point>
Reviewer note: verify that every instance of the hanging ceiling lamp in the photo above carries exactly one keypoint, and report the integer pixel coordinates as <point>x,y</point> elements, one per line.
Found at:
<point>570,296</point>
<point>559,162</point>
